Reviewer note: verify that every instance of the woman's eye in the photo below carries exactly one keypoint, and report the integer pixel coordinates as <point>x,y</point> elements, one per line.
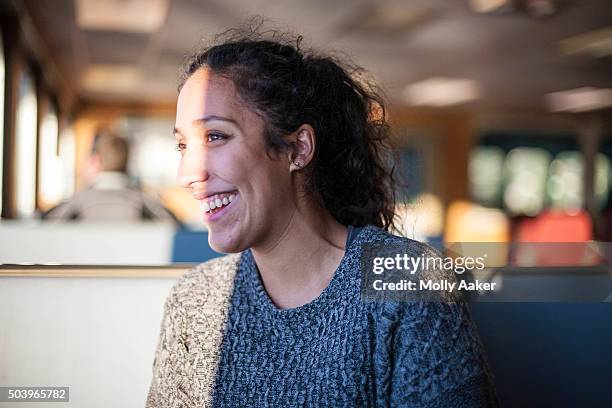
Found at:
<point>215,136</point>
<point>181,146</point>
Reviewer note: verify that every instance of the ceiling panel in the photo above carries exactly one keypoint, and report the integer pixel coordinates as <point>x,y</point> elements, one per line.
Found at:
<point>105,47</point>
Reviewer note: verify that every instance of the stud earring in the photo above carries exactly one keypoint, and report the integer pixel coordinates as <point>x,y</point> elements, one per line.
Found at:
<point>298,164</point>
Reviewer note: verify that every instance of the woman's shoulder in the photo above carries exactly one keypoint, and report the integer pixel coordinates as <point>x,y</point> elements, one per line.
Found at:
<point>373,235</point>
<point>208,280</point>
<point>378,243</point>
<point>433,340</point>
<point>219,268</point>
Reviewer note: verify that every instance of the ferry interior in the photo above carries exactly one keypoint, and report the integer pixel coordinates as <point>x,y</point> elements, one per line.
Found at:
<point>501,117</point>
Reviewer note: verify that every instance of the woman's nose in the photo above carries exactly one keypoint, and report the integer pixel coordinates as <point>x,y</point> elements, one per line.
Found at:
<point>192,169</point>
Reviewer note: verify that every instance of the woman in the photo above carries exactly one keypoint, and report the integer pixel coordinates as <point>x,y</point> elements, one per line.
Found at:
<point>286,153</point>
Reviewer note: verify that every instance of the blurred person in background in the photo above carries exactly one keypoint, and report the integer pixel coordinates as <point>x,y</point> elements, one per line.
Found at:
<point>286,152</point>
<point>110,195</point>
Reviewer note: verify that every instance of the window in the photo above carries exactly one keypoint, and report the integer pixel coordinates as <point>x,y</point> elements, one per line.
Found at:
<point>152,161</point>
<point>49,176</point>
<point>485,168</point>
<point>2,82</point>
<point>525,172</point>
<point>25,146</point>
<point>602,179</point>
<point>67,162</point>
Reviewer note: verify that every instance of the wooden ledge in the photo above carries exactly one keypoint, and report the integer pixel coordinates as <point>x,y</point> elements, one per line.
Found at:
<point>93,271</point>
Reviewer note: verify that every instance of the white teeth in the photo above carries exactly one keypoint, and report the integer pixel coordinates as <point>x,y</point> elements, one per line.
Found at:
<point>207,206</point>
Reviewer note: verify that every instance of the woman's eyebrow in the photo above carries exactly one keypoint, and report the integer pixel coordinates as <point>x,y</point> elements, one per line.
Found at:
<point>215,117</point>
<point>208,118</point>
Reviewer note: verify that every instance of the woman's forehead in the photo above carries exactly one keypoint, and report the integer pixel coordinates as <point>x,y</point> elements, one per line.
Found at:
<point>205,94</point>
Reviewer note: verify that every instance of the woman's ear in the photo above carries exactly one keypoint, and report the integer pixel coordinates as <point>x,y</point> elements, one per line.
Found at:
<point>303,147</point>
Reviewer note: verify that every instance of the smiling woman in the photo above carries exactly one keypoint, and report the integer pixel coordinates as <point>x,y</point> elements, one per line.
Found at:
<point>224,156</point>
<point>287,153</point>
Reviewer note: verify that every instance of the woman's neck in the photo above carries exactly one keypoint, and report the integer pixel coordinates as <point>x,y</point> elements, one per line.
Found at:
<point>299,264</point>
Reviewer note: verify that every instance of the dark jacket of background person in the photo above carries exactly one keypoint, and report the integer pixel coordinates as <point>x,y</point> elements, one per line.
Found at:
<point>110,196</point>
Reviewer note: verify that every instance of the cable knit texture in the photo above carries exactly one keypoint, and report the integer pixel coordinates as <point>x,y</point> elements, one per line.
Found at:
<point>223,343</point>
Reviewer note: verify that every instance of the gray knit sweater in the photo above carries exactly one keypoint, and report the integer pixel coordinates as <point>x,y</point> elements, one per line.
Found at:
<point>223,343</point>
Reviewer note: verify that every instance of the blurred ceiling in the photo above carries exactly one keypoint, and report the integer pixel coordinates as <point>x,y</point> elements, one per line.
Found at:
<point>131,50</point>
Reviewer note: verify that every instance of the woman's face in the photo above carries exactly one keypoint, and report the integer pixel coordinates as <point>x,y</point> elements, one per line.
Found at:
<point>245,195</point>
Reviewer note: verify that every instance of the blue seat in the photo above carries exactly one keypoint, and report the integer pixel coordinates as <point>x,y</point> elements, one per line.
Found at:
<point>549,354</point>
<point>191,247</point>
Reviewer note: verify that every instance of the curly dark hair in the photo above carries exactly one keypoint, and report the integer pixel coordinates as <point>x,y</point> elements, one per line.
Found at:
<point>352,171</point>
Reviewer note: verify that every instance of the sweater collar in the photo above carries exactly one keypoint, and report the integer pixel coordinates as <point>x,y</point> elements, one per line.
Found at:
<point>329,296</point>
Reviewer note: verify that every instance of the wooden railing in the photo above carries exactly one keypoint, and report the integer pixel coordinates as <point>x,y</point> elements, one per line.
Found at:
<point>93,271</point>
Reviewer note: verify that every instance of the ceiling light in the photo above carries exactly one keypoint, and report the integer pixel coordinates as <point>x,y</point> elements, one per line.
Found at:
<point>492,6</point>
<point>533,8</point>
<point>597,43</point>
<point>579,100</point>
<point>388,19</point>
<point>441,91</point>
<point>111,78</point>
<point>121,15</point>
<point>540,8</point>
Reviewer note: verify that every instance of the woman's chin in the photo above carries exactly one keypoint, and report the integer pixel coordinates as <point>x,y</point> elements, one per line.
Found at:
<point>223,242</point>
